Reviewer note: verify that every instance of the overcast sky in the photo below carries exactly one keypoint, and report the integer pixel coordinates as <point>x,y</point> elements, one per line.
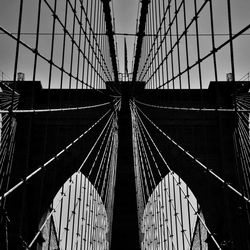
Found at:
<point>125,15</point>
<point>125,21</point>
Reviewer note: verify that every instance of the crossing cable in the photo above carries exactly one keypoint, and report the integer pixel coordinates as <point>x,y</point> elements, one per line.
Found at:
<point>143,173</point>
<point>172,173</point>
<point>103,160</point>
<point>142,179</point>
<point>141,200</point>
<point>191,109</point>
<point>100,149</point>
<point>167,11</point>
<point>242,144</point>
<point>79,44</point>
<point>46,59</point>
<point>12,104</point>
<point>118,105</point>
<point>52,159</point>
<point>37,53</point>
<point>73,9</point>
<point>244,152</point>
<point>107,12</point>
<point>90,48</point>
<point>86,223</point>
<point>148,146</point>
<point>169,233</point>
<point>171,21</point>
<point>213,40</point>
<point>209,171</point>
<point>79,209</point>
<point>86,233</point>
<point>109,178</point>
<point>7,155</point>
<point>147,163</point>
<point>182,217</point>
<point>196,11</point>
<point>69,188</point>
<point>71,35</point>
<point>186,42</point>
<point>243,128</point>
<point>137,129</point>
<point>83,210</point>
<point>180,220</point>
<point>141,31</point>
<point>142,134</point>
<point>4,145</point>
<point>153,44</point>
<point>109,196</point>
<point>8,99</point>
<point>111,152</point>
<point>76,204</point>
<point>67,216</point>
<point>104,185</point>
<point>216,49</point>
<point>53,210</point>
<point>94,38</point>
<point>87,21</point>
<point>246,77</point>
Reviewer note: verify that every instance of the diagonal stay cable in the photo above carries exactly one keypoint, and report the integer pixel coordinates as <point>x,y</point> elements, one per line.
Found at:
<point>53,210</point>
<point>53,158</point>
<point>172,173</point>
<point>62,194</point>
<point>105,186</point>
<point>152,180</point>
<point>97,140</point>
<point>55,109</point>
<point>107,133</point>
<point>142,127</point>
<point>78,171</point>
<point>230,187</point>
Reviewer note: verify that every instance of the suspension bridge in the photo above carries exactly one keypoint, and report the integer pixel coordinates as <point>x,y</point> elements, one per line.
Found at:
<point>156,157</point>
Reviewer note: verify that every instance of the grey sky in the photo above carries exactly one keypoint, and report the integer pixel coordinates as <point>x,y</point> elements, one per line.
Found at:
<point>125,20</point>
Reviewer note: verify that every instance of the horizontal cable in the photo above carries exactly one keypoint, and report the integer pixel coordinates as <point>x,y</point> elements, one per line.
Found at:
<point>54,110</point>
<point>230,187</point>
<point>117,34</point>
<point>52,159</point>
<point>191,109</point>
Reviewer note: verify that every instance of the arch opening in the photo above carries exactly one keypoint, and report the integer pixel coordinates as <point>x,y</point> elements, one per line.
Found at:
<point>79,219</point>
<point>172,218</point>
